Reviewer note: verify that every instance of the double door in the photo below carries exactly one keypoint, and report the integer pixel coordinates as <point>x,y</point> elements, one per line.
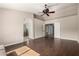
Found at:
<point>49,30</point>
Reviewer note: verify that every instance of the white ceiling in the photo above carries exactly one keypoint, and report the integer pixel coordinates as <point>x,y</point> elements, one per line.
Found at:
<point>59,8</point>
<point>28,7</point>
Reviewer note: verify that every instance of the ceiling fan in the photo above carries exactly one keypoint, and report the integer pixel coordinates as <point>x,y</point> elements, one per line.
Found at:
<point>46,11</point>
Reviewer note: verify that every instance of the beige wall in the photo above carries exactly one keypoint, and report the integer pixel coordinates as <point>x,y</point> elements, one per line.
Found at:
<point>69,28</point>
<point>12,26</point>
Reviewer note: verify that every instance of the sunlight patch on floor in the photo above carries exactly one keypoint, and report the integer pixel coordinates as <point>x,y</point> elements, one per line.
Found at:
<point>24,51</point>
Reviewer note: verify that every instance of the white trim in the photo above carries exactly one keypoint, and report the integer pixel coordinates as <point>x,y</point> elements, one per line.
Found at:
<point>13,43</point>
<point>77,41</point>
<point>69,39</point>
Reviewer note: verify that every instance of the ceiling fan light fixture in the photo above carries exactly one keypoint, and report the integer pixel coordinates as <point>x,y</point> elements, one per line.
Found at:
<point>46,11</point>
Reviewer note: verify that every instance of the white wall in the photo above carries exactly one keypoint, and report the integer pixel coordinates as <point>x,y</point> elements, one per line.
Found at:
<point>38,28</point>
<point>12,26</point>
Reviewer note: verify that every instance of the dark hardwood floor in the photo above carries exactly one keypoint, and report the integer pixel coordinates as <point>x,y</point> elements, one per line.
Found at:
<point>50,47</point>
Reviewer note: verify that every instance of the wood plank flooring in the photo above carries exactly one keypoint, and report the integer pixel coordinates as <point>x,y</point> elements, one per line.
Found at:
<point>49,47</point>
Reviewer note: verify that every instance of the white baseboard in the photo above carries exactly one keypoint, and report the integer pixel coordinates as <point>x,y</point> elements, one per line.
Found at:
<point>69,39</point>
<point>13,43</point>
<point>78,41</point>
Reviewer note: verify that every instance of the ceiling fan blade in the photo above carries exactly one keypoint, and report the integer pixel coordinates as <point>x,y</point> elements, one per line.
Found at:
<point>47,14</point>
<point>52,12</point>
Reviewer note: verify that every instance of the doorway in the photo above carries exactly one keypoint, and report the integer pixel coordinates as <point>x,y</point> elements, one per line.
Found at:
<point>25,32</point>
<point>49,31</point>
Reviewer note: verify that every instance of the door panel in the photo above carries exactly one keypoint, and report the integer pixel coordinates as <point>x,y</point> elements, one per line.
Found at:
<point>49,30</point>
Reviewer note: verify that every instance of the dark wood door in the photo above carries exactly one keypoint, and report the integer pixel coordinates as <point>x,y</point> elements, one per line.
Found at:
<point>49,30</point>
